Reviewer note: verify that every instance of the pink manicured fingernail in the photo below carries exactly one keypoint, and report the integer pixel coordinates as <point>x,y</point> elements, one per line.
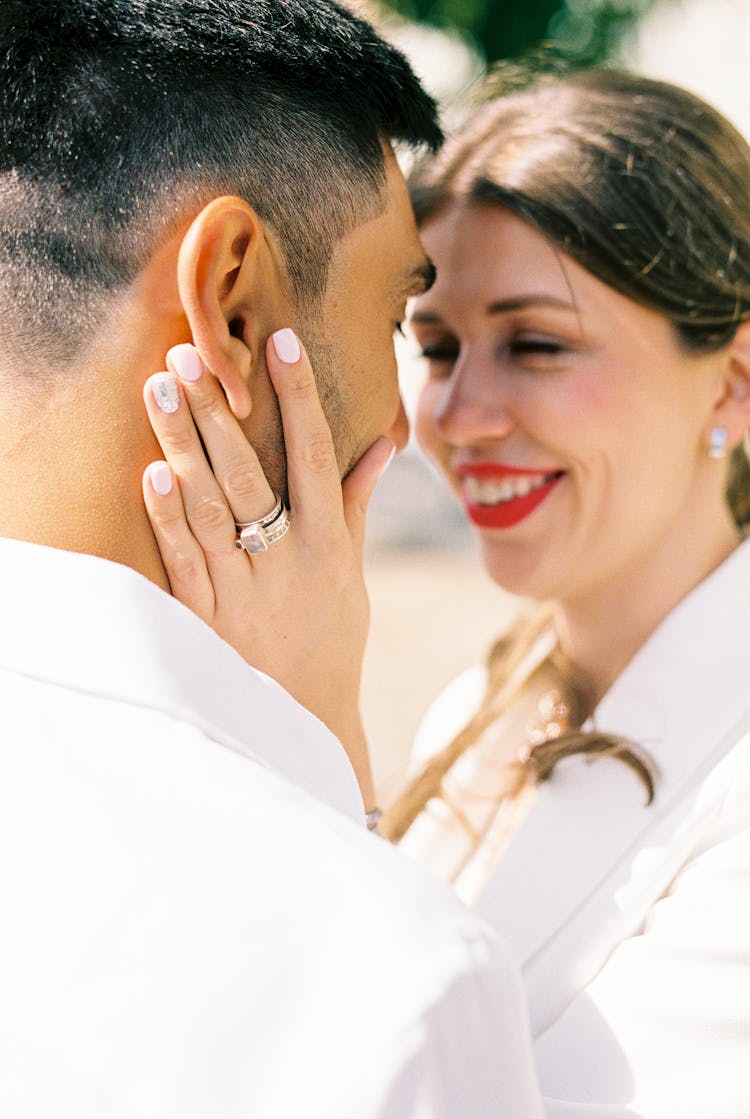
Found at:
<point>286,346</point>
<point>165,392</point>
<point>186,362</point>
<point>160,477</point>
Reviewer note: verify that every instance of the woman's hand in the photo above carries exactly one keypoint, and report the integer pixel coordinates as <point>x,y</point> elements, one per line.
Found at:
<point>299,611</point>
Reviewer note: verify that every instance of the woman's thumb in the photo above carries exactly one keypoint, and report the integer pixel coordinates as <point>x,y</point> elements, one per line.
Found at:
<point>360,484</point>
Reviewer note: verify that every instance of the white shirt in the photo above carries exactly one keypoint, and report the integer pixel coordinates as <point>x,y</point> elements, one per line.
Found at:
<point>190,925</point>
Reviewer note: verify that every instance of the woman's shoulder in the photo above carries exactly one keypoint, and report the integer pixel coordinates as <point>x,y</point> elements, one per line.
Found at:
<point>448,714</point>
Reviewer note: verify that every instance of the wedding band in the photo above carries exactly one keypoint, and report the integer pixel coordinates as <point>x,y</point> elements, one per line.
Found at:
<point>256,537</point>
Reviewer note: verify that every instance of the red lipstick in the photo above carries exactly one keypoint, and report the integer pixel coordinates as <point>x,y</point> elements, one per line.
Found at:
<point>505,513</point>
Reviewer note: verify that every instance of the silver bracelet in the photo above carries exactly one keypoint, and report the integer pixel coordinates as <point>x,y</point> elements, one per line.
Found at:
<point>372,819</point>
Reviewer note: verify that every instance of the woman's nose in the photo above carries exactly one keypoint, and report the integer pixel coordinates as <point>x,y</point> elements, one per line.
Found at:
<point>473,406</point>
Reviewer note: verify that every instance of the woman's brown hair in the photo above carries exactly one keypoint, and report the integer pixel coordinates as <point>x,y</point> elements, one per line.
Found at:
<point>648,188</point>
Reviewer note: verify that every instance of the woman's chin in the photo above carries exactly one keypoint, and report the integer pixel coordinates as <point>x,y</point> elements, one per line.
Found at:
<point>519,570</point>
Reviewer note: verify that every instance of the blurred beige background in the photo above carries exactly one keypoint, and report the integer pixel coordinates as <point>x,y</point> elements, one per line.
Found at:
<point>434,611</point>
<point>432,616</point>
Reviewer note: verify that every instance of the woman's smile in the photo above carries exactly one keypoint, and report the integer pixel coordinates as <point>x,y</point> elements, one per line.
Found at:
<point>497,496</point>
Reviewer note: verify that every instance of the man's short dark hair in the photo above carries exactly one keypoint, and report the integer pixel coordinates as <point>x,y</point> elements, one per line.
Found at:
<point>117,114</point>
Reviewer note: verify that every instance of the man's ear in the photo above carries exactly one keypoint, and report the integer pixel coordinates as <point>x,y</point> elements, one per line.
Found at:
<point>732,407</point>
<point>219,274</point>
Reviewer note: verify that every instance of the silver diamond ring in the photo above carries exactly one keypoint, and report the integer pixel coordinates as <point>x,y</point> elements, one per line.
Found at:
<point>257,536</point>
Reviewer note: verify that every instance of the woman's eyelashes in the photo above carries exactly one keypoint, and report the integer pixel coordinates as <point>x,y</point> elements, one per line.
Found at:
<point>439,352</point>
<point>520,348</point>
<point>517,347</point>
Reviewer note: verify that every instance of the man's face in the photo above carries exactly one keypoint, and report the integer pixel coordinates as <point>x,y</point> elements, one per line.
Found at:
<point>349,337</point>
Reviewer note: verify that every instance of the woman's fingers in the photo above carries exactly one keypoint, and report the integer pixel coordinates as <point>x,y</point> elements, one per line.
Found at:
<point>312,470</point>
<point>182,556</point>
<point>190,416</point>
<point>233,461</point>
<point>189,412</point>
<point>206,509</point>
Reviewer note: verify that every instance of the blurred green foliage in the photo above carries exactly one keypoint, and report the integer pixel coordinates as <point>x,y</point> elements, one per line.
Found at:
<point>583,31</point>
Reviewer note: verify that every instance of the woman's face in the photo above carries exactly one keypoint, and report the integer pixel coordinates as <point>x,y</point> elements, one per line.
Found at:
<point>568,419</point>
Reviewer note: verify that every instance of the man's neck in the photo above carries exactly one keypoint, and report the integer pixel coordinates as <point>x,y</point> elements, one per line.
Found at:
<point>73,454</point>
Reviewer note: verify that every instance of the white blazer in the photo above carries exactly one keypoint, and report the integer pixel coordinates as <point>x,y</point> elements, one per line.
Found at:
<point>632,922</point>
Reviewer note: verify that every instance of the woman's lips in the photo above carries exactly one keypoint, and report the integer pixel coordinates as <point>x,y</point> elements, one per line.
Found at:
<point>498,496</point>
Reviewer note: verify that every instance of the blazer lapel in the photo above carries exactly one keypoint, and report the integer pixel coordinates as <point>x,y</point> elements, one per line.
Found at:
<point>590,857</point>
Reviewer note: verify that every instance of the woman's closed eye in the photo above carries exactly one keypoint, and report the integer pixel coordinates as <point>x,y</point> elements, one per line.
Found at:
<point>529,350</point>
<point>517,347</point>
<point>439,351</point>
<point>535,346</point>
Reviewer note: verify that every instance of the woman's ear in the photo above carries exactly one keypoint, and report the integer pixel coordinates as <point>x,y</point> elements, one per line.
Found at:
<point>219,277</point>
<point>732,408</point>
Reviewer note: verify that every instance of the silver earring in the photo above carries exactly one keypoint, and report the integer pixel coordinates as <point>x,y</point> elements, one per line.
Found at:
<point>717,442</point>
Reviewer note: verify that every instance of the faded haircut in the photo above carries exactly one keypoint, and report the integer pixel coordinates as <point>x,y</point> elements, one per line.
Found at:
<point>116,116</point>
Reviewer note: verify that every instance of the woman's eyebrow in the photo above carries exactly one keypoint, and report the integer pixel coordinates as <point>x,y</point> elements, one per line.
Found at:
<point>428,318</point>
<point>502,306</point>
<point>521,301</point>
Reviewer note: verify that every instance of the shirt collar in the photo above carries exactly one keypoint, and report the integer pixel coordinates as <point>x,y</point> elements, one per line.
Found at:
<point>91,625</point>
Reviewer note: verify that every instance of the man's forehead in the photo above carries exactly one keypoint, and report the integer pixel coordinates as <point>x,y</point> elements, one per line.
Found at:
<point>414,272</point>
<point>386,250</point>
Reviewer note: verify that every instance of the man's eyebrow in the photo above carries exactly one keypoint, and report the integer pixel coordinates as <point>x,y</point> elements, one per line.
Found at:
<point>420,279</point>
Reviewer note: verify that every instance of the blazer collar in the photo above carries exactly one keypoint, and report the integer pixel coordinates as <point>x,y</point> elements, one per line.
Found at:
<point>684,698</point>
<point>687,686</point>
<point>94,626</point>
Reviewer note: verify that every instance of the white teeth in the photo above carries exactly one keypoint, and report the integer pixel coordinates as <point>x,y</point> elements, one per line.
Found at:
<point>482,492</point>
